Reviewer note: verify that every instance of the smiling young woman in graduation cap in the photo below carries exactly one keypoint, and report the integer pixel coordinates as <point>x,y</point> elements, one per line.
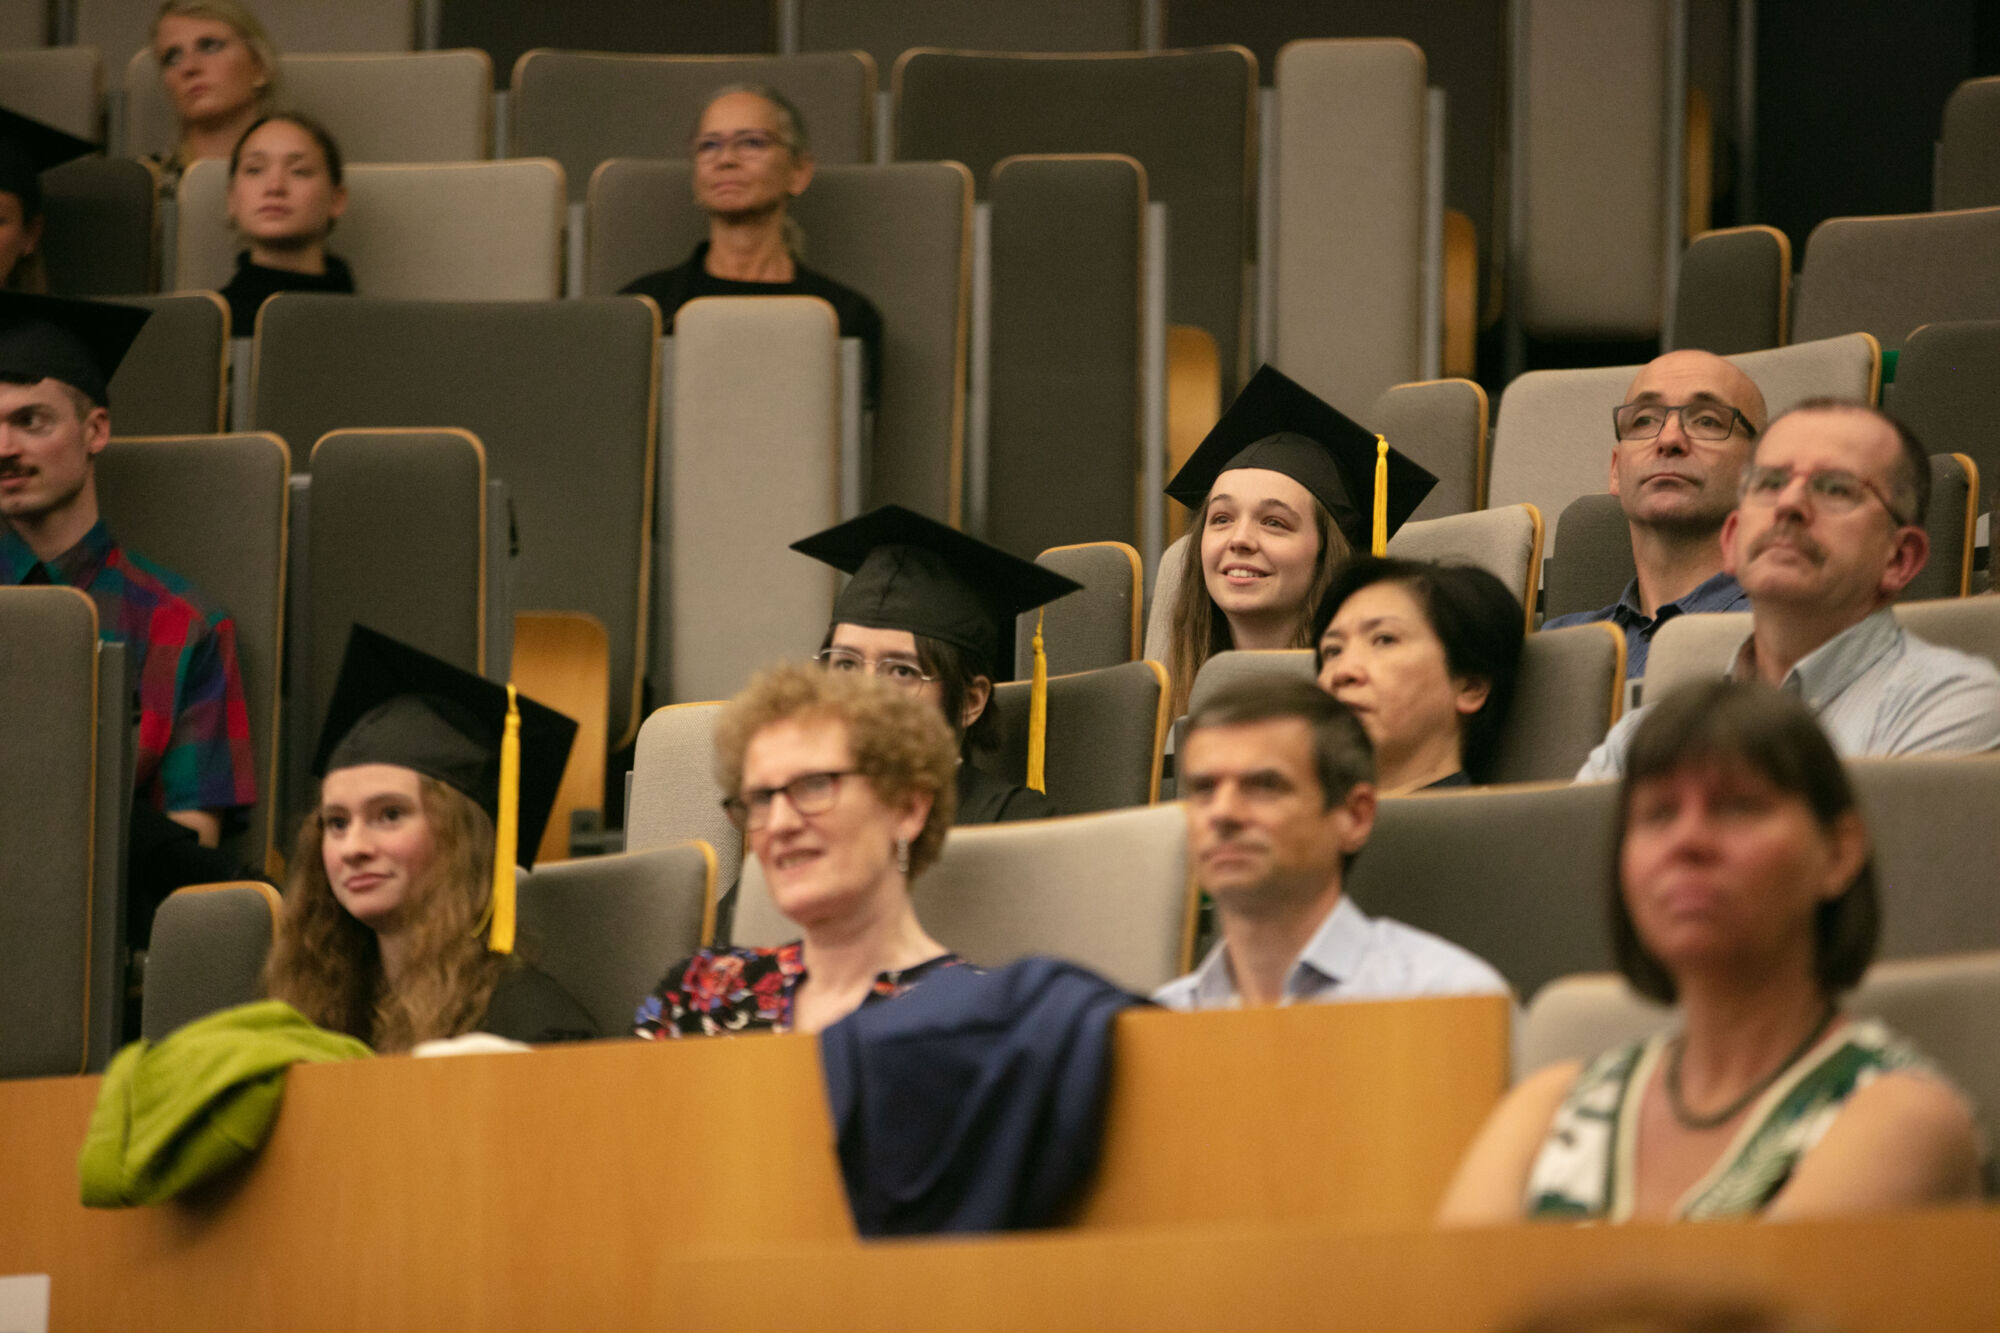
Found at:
<point>399,912</point>
<point>27,149</point>
<point>1284,488</point>
<point>926,610</point>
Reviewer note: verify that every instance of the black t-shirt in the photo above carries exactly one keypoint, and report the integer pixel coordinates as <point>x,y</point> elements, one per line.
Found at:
<point>254,284</point>
<point>672,288</point>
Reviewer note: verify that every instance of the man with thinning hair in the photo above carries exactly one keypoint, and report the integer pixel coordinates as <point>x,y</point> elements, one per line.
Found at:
<point>1681,439</point>
<point>1827,531</point>
<point>1279,784</point>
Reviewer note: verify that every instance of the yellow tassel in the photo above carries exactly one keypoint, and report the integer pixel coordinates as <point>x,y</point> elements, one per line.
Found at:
<point>1038,713</point>
<point>1378,542</point>
<point>506,830</point>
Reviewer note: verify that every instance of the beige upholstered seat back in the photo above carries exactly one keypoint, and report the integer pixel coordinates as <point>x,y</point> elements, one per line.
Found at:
<point>468,231</point>
<point>1092,628</point>
<point>1947,390</point>
<point>1442,425</point>
<point>99,238</point>
<point>57,85</point>
<point>1888,275</point>
<point>1570,690</point>
<point>409,106</point>
<point>1594,563</point>
<point>1107,729</point>
<point>207,953</point>
<point>174,379</point>
<point>674,796</point>
<point>1968,168</point>
<point>1110,891</point>
<point>1505,541</point>
<point>1238,664</point>
<point>1734,290</point>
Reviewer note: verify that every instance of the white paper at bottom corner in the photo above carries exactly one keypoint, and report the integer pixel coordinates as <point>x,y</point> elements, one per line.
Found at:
<point>24,1303</point>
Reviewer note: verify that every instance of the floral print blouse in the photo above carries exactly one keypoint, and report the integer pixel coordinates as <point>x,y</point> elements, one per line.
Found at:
<point>749,990</point>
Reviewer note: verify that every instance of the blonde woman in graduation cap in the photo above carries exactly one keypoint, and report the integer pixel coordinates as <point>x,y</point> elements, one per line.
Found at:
<point>1283,489</point>
<point>927,610</point>
<point>399,911</point>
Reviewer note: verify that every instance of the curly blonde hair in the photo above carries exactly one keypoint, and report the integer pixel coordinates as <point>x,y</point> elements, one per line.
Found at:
<point>328,965</point>
<point>900,741</point>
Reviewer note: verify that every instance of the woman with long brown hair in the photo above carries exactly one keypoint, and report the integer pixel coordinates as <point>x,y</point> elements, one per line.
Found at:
<point>385,934</point>
<point>1283,490</point>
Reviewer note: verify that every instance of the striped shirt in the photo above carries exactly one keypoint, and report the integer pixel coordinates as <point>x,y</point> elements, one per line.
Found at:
<point>191,749</point>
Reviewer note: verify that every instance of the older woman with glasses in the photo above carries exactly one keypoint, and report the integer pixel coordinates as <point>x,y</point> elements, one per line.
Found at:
<point>752,157</point>
<point>927,610</point>
<point>842,784</point>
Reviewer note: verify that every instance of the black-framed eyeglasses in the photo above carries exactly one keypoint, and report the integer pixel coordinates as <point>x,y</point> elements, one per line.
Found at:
<point>750,143</point>
<point>1833,489</point>
<point>902,671</point>
<point>1699,421</point>
<point>809,793</point>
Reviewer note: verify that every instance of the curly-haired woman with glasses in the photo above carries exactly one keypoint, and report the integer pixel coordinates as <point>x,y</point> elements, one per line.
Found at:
<point>751,158</point>
<point>843,786</point>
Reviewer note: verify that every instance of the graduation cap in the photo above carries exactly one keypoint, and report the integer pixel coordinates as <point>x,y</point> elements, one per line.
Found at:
<point>393,704</point>
<point>1277,425</point>
<point>79,343</point>
<point>913,573</point>
<point>27,149</point>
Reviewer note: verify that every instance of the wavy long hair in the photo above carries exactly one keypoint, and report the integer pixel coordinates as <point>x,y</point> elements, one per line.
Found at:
<point>328,965</point>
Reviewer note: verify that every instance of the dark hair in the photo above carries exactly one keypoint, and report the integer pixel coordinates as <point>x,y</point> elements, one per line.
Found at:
<point>318,132</point>
<point>955,669</point>
<point>1910,479</point>
<point>1342,752</point>
<point>1479,622</point>
<point>1773,734</point>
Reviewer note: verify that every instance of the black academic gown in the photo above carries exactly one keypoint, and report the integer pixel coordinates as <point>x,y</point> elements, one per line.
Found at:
<point>530,1005</point>
<point>985,799</point>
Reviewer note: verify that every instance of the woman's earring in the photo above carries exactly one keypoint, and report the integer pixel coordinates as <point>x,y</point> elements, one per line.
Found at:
<point>903,857</point>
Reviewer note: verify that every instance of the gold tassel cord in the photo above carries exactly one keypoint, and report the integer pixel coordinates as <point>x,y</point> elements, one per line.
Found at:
<point>506,830</point>
<point>1038,713</point>
<point>1378,541</point>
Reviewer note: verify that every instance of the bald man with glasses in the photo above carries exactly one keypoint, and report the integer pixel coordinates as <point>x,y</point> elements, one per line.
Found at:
<point>1827,531</point>
<point>1680,442</point>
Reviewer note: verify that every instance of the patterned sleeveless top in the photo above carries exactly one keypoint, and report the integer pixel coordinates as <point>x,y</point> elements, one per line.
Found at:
<point>1584,1170</point>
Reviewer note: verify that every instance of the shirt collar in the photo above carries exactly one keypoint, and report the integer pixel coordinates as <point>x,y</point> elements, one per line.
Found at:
<point>1332,955</point>
<point>1823,673</point>
<point>77,567</point>
<point>1718,592</point>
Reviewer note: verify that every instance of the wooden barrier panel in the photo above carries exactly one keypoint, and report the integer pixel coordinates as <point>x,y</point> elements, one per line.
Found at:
<point>482,1191</point>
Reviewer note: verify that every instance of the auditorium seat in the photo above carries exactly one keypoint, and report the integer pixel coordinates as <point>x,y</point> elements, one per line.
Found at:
<point>1595,562</point>
<point>1347,293</point>
<point>1951,523</point>
<point>607,928</point>
<point>1188,116</point>
<point>409,106</point>
<point>470,231</point>
<point>887,28</point>
<point>121,27</point>
<point>23,24</point>
<point>61,86</point>
<point>1109,891</point>
<point>173,381</point>
<point>1943,1004</point>
<point>563,659</point>
<point>1947,390</point>
<point>1888,275</point>
<point>756,408</point>
<point>207,953</point>
<point>674,795</point>
<point>100,236</point>
<point>507,29</point>
<point>214,509</point>
<point>562,395</point>
<point>1107,730</point>
<point>65,726</point>
<point>1968,158</point>
<point>1506,541</point>
<point>1065,350</point>
<point>1095,627</point>
<point>1554,439</point>
<point>1733,291</point>
<point>586,107</point>
<point>1571,688</point>
<point>1440,424</point>
<point>899,234</point>
<point>399,534</point>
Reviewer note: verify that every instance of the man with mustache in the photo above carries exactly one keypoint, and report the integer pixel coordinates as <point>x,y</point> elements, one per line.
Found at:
<point>1279,785</point>
<point>1827,531</point>
<point>1682,436</point>
<point>191,756</point>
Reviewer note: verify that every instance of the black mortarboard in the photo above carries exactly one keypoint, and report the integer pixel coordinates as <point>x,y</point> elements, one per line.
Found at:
<point>79,343</point>
<point>1278,425</point>
<point>394,704</point>
<point>913,573</point>
<point>27,149</point>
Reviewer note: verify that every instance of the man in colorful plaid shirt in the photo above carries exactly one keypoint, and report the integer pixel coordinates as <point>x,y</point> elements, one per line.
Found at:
<point>192,755</point>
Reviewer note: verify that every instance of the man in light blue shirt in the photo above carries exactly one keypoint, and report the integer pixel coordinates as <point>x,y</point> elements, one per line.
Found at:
<point>1680,440</point>
<point>1828,531</point>
<point>1278,781</point>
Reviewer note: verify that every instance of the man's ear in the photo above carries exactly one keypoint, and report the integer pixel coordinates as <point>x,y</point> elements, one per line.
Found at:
<point>96,430</point>
<point>1614,472</point>
<point>1907,558</point>
<point>1729,543</point>
<point>1359,806</point>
